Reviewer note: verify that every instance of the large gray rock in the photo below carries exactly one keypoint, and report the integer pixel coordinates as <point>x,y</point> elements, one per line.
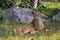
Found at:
<point>57,16</point>
<point>17,14</point>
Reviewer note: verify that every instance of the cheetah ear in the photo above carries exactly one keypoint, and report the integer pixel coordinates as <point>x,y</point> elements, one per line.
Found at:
<point>32,11</point>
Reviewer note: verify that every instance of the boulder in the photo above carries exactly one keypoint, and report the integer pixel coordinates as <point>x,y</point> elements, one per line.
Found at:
<point>57,16</point>
<point>18,14</point>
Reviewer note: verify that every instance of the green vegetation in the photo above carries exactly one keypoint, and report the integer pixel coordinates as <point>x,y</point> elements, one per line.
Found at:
<point>50,8</point>
<point>6,33</point>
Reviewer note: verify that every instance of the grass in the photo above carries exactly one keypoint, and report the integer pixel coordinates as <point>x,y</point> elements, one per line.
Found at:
<point>54,36</point>
<point>50,8</point>
<point>51,32</point>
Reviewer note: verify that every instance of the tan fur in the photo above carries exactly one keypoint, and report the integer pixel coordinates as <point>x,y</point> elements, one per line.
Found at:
<point>38,23</point>
<point>24,29</point>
